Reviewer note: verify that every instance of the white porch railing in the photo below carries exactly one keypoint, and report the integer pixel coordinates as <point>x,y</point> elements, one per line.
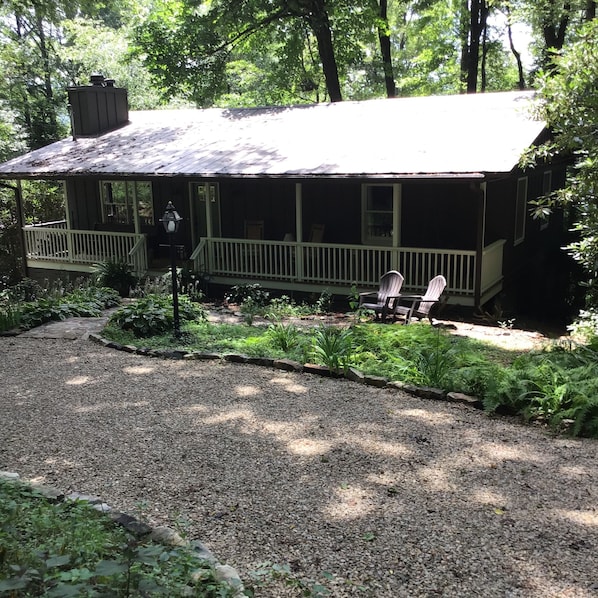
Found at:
<point>492,265</point>
<point>344,265</point>
<point>50,243</point>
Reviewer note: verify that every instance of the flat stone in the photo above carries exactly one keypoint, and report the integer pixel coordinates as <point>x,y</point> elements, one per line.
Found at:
<point>230,576</point>
<point>166,535</point>
<point>355,375</point>
<point>202,552</point>
<point>288,365</point>
<point>377,381</point>
<point>318,370</point>
<point>263,361</point>
<point>202,355</point>
<point>129,348</point>
<point>235,358</point>
<point>426,392</point>
<point>9,475</point>
<point>459,397</point>
<point>84,497</point>
<point>52,494</point>
<point>131,524</point>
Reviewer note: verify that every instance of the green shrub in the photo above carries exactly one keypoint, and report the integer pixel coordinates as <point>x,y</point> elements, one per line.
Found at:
<point>552,386</point>
<point>153,315</point>
<point>333,347</point>
<point>241,293</point>
<point>82,302</point>
<point>284,336</point>
<point>116,274</point>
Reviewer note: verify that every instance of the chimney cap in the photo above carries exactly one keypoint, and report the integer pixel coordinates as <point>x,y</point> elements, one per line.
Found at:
<point>96,79</point>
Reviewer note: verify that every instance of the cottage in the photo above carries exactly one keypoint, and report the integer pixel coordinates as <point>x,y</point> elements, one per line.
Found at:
<point>302,197</point>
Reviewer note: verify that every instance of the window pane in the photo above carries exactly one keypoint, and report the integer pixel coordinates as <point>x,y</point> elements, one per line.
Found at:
<point>379,198</point>
<point>145,203</point>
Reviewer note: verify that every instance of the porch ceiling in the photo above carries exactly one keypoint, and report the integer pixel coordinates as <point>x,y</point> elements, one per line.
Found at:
<point>462,135</point>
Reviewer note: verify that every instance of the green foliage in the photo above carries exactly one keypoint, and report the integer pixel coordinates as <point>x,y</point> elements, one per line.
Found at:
<point>552,386</point>
<point>70,549</point>
<point>153,315</point>
<point>240,293</point>
<point>585,326</point>
<point>436,362</point>
<point>570,107</point>
<point>333,347</point>
<point>324,302</point>
<point>116,274</point>
<point>81,302</point>
<point>284,336</point>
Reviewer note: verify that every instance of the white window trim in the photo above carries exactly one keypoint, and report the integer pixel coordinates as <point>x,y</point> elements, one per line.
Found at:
<point>546,188</point>
<point>395,239</point>
<point>131,202</point>
<point>518,198</point>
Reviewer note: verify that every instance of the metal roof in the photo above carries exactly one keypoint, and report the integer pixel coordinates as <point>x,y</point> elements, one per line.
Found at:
<point>465,135</point>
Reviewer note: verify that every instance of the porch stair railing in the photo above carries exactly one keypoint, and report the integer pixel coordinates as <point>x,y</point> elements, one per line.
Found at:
<point>342,265</point>
<point>53,244</point>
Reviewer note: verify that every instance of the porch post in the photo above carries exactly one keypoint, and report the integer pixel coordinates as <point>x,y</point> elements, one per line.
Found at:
<point>480,241</point>
<point>136,220</point>
<point>69,224</point>
<point>299,231</point>
<point>208,196</point>
<point>18,191</point>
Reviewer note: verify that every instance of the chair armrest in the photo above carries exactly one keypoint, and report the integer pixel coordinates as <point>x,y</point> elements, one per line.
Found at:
<point>409,298</point>
<point>367,295</point>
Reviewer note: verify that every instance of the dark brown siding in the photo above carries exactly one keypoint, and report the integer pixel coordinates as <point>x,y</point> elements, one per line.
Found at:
<point>439,215</point>
<point>84,203</point>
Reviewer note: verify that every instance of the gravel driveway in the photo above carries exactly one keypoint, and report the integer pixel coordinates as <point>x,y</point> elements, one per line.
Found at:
<point>392,495</point>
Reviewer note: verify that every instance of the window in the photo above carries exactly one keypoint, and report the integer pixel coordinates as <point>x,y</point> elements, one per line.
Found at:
<point>119,198</point>
<point>378,214</point>
<point>520,210</point>
<point>546,189</point>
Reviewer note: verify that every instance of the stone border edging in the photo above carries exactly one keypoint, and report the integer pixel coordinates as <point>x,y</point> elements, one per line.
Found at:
<point>423,392</point>
<point>160,534</point>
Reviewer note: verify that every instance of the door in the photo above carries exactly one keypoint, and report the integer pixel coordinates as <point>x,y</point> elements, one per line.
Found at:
<point>205,211</point>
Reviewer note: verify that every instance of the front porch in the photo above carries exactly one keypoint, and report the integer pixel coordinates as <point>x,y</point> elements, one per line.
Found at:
<point>472,278</point>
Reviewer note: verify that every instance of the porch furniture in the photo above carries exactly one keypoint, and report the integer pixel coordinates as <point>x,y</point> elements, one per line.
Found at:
<point>420,305</point>
<point>254,229</point>
<point>316,234</point>
<point>383,301</point>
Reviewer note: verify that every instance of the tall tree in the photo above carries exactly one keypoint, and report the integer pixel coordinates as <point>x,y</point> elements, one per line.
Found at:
<point>386,48</point>
<point>475,19</point>
<point>187,45</point>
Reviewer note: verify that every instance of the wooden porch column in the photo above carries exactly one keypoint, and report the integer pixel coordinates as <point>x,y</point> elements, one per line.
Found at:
<point>480,241</point>
<point>209,227</point>
<point>136,220</point>
<point>299,231</point>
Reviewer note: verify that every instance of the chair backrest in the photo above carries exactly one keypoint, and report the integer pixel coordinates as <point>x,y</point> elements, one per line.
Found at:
<point>432,295</point>
<point>254,229</point>
<point>390,285</point>
<point>317,233</point>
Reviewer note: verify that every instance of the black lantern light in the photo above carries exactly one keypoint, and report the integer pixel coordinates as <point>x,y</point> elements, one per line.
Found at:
<point>171,221</point>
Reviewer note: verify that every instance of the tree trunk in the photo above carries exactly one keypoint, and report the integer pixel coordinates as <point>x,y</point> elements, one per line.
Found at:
<point>554,37</point>
<point>320,24</point>
<point>517,55</point>
<point>477,24</point>
<point>385,50</point>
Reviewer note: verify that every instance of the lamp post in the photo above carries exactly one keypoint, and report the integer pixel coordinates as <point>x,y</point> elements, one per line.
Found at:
<point>171,221</point>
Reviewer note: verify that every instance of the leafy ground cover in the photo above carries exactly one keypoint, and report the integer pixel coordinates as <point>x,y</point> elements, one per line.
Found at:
<point>69,549</point>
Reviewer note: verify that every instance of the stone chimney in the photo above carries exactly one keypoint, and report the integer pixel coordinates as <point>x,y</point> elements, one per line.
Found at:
<point>98,107</point>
